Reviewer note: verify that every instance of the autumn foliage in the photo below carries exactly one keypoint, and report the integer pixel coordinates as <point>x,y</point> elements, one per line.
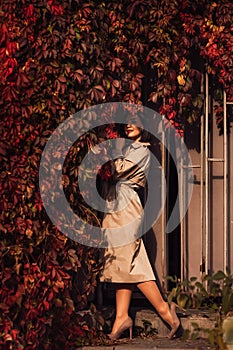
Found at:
<point>58,57</point>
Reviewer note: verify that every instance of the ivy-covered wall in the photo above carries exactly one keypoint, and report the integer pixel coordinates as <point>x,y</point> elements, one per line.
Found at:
<point>58,57</point>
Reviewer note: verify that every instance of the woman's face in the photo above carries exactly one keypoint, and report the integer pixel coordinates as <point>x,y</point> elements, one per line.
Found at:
<point>133,132</point>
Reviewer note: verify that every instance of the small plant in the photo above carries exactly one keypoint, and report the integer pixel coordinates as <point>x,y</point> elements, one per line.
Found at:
<point>214,292</point>
<point>214,336</point>
<point>189,293</point>
<point>146,330</point>
<point>211,292</point>
<point>220,285</point>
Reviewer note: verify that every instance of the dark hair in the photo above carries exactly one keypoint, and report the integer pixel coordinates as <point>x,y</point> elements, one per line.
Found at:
<point>145,135</point>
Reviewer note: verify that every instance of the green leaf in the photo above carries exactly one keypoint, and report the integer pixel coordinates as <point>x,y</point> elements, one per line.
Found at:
<point>220,275</point>
<point>182,300</point>
<point>193,279</point>
<point>227,301</point>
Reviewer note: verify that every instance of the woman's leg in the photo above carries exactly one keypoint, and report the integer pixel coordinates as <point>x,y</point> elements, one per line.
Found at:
<point>123,298</point>
<point>152,293</point>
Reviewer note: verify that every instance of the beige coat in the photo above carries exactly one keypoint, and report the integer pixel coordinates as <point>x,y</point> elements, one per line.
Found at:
<point>126,260</point>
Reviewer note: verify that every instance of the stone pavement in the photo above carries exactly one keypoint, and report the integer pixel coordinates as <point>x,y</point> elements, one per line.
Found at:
<point>203,319</point>
<point>157,343</point>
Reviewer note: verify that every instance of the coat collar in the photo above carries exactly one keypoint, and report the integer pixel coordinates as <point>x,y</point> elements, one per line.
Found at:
<point>137,144</point>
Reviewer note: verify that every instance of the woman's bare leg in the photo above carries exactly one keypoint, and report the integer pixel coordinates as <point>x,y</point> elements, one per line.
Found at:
<point>123,298</point>
<point>152,293</point>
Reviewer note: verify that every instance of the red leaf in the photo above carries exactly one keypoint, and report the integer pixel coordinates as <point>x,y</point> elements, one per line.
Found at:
<point>116,83</point>
<point>50,296</point>
<point>53,273</point>
<point>100,88</point>
<point>14,333</point>
<point>62,79</point>
<point>46,305</point>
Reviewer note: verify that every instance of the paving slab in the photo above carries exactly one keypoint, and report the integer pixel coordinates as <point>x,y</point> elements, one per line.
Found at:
<point>158,343</point>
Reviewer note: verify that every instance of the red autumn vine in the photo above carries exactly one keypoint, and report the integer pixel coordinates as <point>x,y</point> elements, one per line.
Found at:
<point>59,57</point>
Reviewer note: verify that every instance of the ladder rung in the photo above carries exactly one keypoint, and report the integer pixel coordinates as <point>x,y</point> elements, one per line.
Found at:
<point>229,103</point>
<point>191,166</point>
<point>215,159</point>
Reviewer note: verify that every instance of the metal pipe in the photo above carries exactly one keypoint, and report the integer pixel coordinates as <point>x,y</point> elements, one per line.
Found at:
<point>225,253</point>
<point>202,185</point>
<point>206,174</point>
<point>202,197</point>
<point>163,216</point>
<point>182,226</point>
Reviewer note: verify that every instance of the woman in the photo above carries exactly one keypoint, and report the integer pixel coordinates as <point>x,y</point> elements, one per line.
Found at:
<point>127,264</point>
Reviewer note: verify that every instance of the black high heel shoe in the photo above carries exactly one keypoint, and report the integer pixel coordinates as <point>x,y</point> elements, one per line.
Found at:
<point>177,329</point>
<point>127,324</point>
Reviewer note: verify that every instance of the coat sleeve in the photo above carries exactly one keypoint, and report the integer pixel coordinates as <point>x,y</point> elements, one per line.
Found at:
<point>125,169</point>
